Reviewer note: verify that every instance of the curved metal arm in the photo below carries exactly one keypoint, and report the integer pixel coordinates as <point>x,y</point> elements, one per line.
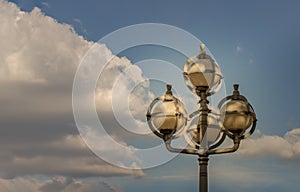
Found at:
<point>226,150</point>
<point>234,148</point>
<point>177,150</point>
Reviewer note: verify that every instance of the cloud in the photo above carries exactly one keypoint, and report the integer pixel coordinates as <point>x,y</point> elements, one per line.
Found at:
<point>81,26</point>
<point>238,49</point>
<point>286,147</point>
<point>224,175</point>
<point>57,184</point>
<point>46,4</point>
<point>251,61</point>
<point>36,48</point>
<point>38,61</point>
<point>68,156</point>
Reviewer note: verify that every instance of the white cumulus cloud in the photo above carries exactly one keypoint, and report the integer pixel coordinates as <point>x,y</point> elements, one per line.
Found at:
<point>38,61</point>
<point>286,147</point>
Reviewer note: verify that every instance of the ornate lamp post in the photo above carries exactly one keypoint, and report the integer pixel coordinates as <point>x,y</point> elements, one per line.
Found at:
<point>168,119</point>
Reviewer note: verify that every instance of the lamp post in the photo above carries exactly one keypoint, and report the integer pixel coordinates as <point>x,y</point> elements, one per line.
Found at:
<point>234,119</point>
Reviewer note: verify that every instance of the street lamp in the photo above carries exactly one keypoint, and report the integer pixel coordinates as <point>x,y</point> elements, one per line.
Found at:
<point>235,118</point>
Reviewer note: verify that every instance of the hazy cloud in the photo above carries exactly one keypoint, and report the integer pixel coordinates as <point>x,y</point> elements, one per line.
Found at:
<point>251,61</point>
<point>68,156</point>
<point>286,147</point>
<point>57,184</point>
<point>46,4</point>
<point>238,49</point>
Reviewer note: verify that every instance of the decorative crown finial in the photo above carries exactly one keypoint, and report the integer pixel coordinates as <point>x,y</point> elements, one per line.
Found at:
<point>236,87</point>
<point>169,89</point>
<point>236,92</point>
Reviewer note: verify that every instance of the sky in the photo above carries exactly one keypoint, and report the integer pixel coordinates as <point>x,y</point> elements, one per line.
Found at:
<point>42,45</point>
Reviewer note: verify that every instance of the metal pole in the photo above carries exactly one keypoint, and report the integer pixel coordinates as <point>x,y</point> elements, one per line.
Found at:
<point>203,113</point>
<point>203,174</point>
<point>202,128</point>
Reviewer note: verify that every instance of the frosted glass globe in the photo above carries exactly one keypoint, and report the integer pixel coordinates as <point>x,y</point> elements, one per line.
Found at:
<point>204,72</point>
<point>169,117</point>
<point>237,116</point>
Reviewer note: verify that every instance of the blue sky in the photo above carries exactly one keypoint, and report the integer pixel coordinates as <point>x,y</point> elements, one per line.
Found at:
<point>256,44</point>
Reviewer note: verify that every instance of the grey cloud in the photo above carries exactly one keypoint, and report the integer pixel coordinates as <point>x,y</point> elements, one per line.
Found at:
<point>57,184</point>
<point>68,156</point>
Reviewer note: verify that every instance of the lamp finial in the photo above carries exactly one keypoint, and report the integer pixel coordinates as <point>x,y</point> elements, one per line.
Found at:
<point>202,48</point>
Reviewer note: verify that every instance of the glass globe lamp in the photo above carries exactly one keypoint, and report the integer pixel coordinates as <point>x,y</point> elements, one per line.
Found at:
<point>238,115</point>
<point>202,71</point>
<point>213,130</point>
<point>166,114</point>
